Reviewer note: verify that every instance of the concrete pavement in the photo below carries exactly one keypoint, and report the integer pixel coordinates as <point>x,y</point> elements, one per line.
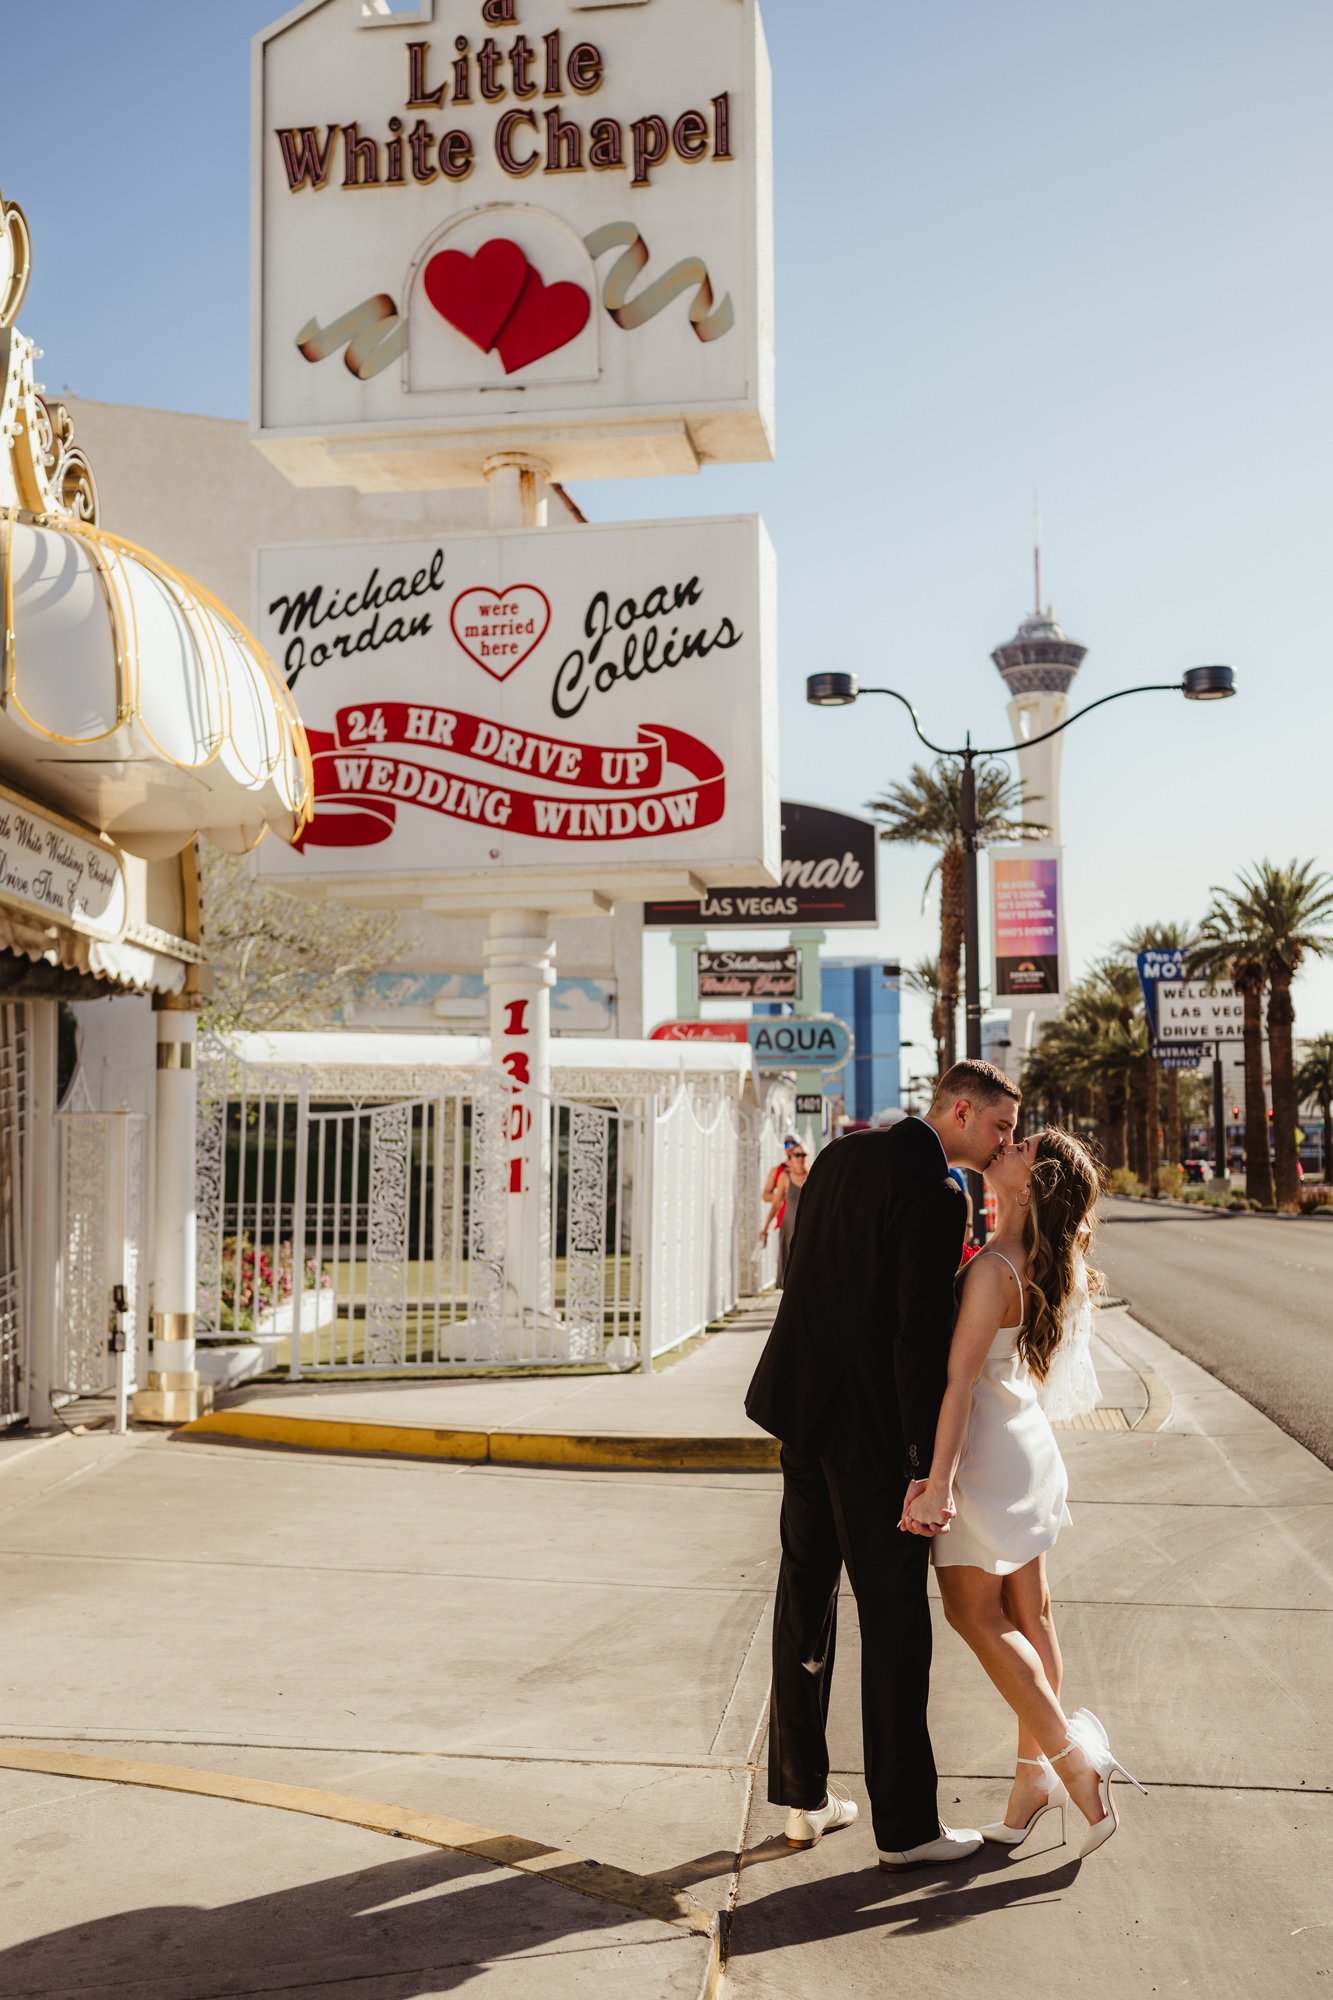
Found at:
<point>557,1667</point>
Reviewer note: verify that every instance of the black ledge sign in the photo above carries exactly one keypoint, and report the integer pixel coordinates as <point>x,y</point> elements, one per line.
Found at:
<point>828,879</point>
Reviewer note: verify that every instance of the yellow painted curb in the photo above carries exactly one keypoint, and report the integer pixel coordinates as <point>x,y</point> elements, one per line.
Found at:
<point>638,1893</point>
<point>538,1448</point>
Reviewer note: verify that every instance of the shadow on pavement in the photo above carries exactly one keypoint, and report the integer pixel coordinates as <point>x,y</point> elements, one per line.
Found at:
<point>840,1906</point>
<point>353,1932</point>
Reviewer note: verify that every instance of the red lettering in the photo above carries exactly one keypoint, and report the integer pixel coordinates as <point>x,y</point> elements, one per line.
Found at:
<point>517,1024</point>
<point>418,97</point>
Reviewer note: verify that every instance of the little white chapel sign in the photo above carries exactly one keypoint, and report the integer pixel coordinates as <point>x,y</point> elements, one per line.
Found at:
<point>541,218</point>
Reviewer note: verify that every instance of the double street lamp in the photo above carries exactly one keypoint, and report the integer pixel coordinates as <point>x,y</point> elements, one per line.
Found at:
<point>1211,683</point>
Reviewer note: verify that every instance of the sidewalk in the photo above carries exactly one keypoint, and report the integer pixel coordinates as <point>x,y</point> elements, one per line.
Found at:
<point>424,1695</point>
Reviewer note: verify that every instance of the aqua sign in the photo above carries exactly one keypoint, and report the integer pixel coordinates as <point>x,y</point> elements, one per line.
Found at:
<point>792,1041</point>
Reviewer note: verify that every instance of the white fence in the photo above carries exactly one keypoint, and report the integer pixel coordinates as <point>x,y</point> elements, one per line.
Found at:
<point>13,1207</point>
<point>102,1237</point>
<point>370,1232</point>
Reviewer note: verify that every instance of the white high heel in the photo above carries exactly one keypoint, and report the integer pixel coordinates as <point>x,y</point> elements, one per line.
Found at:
<point>1087,1734</point>
<point>1001,1834</point>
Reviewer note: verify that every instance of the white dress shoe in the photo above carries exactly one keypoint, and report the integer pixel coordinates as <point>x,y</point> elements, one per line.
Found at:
<point>953,1844</point>
<point>806,1827</point>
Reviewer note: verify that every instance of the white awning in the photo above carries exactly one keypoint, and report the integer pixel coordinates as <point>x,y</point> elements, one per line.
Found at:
<point>130,698</point>
<point>135,701</point>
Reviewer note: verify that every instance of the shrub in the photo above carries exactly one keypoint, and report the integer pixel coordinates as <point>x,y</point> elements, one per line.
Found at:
<point>1124,1182</point>
<point>1171,1182</point>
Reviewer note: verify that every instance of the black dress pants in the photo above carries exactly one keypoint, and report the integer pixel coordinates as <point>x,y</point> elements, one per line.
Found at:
<point>830,1518</point>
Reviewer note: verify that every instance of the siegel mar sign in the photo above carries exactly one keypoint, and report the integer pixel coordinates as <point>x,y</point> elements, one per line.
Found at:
<point>595,703</point>
<point>533,215</point>
<point>828,878</point>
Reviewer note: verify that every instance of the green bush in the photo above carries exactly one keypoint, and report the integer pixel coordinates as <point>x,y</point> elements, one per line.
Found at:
<point>1124,1182</point>
<point>1171,1182</point>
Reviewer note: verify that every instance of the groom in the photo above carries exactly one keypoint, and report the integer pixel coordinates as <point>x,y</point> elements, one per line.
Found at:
<point>850,1380</point>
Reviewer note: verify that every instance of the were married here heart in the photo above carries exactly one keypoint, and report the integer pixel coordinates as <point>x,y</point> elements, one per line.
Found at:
<point>499,301</point>
<point>499,628</point>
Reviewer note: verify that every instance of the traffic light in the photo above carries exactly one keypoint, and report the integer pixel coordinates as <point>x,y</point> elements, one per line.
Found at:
<point>1235,1111</point>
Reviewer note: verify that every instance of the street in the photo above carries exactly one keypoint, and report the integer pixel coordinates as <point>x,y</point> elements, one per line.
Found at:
<point>1250,1298</point>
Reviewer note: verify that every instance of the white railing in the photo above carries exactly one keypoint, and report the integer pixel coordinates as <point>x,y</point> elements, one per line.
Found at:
<point>13,1208</point>
<point>375,1237</point>
<point>693,1252</point>
<point>102,1239</point>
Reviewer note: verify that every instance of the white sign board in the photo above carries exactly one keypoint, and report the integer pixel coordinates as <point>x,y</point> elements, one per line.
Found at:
<point>541,224</point>
<point>542,708</point>
<point>1199,1010</point>
<point>49,868</point>
<point>1188,1010</point>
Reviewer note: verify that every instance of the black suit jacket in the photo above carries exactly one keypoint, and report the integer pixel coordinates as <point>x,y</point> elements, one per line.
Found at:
<point>856,1363</point>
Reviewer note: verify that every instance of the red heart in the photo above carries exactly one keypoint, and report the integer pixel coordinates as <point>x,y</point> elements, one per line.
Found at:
<point>545,318</point>
<point>490,640</point>
<point>477,294</point>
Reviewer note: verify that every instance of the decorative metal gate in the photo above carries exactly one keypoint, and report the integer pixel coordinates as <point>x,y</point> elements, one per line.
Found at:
<point>371,1237</point>
<point>13,1121</point>
<point>101,1239</point>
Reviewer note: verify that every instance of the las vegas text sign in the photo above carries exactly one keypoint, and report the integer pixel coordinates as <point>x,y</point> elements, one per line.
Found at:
<point>530,224</point>
<point>547,709</point>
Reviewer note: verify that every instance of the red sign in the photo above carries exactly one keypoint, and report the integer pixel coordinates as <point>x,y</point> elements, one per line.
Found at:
<point>359,790</point>
<point>700,1031</point>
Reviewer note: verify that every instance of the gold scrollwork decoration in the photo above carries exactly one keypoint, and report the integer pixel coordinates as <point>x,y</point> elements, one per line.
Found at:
<point>15,259</point>
<point>46,473</point>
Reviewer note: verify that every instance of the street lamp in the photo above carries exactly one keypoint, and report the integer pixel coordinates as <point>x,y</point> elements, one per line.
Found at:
<point>1208,683</point>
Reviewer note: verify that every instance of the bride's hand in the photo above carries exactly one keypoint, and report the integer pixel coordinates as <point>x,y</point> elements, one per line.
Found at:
<point>930,1508</point>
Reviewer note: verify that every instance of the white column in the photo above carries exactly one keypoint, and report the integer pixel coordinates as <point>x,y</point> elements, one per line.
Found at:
<point>516,490</point>
<point>42,1167</point>
<point>520,972</point>
<point>173,1393</point>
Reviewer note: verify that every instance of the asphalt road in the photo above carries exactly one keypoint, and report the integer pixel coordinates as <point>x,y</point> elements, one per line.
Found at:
<point>1249,1298</point>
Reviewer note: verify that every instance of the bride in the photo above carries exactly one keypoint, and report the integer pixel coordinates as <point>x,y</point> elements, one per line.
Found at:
<point>995,1498</point>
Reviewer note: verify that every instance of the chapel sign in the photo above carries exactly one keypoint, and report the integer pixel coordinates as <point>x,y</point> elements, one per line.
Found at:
<point>531,708</point>
<point>532,220</point>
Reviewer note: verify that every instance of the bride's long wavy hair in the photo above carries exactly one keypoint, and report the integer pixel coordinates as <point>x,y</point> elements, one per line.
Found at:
<point>1057,1225</point>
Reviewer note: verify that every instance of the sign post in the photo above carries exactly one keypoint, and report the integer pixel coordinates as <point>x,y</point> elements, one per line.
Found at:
<point>500,251</point>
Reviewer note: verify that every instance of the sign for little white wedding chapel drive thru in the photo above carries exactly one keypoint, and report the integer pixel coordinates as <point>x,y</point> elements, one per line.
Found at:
<point>546,222</point>
<point>592,703</point>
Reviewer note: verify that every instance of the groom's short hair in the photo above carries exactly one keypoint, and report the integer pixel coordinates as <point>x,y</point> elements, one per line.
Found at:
<point>980,1081</point>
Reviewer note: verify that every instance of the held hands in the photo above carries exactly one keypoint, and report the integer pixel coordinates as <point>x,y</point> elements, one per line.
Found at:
<point>927,1508</point>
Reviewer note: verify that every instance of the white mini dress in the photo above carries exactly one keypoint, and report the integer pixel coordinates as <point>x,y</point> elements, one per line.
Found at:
<point>1011,1488</point>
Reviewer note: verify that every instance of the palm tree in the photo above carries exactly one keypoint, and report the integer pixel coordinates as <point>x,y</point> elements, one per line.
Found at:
<point>1229,947</point>
<point>1164,937</point>
<point>925,810</point>
<point>1290,910</point>
<point>1314,1079</point>
<point>924,978</point>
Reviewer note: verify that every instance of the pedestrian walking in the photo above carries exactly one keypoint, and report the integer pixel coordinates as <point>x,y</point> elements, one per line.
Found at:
<point>782,1208</point>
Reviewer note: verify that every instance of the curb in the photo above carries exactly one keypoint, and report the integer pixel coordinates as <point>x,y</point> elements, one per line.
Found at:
<point>548,1449</point>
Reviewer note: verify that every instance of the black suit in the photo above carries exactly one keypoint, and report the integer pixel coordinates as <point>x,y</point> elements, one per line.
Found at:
<point>850,1380</point>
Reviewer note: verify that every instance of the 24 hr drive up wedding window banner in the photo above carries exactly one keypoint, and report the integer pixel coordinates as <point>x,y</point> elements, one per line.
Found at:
<point>593,705</point>
<point>539,219</point>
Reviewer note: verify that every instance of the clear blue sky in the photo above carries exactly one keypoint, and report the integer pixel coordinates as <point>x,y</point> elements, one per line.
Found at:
<point>1081,248</point>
